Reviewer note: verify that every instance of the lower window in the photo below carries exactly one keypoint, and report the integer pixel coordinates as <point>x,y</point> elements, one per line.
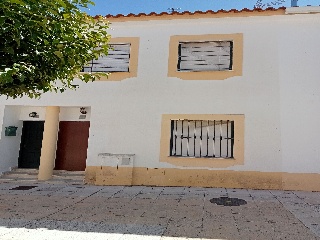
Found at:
<point>202,138</point>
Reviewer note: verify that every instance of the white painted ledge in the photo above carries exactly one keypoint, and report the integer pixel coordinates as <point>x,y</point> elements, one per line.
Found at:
<point>302,10</point>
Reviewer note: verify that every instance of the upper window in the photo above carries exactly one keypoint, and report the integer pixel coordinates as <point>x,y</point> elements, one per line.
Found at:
<point>205,56</point>
<point>121,62</point>
<point>117,60</point>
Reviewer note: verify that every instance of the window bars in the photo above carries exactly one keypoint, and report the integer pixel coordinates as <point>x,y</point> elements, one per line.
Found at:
<point>117,60</point>
<point>205,56</point>
<point>202,138</point>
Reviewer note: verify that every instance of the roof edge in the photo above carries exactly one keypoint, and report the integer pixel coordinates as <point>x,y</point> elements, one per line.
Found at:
<point>197,14</point>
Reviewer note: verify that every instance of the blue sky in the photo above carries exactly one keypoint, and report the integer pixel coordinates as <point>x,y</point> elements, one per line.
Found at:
<point>114,7</point>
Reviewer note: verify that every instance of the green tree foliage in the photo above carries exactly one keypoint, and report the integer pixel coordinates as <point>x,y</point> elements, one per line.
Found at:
<point>45,43</point>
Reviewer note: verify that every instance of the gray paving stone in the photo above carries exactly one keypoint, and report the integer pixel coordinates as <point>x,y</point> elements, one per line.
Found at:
<point>118,212</point>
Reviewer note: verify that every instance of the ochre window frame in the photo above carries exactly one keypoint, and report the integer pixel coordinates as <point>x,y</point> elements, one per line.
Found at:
<point>236,38</point>
<point>238,149</point>
<point>133,61</point>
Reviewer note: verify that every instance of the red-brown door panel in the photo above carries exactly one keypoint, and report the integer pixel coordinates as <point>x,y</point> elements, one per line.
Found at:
<point>72,145</point>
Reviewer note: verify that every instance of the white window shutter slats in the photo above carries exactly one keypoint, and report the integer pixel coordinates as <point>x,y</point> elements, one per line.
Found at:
<point>205,56</point>
<point>117,60</point>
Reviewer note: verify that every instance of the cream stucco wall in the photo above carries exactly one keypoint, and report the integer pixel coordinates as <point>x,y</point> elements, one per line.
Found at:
<point>278,93</point>
<point>299,94</point>
<point>9,145</point>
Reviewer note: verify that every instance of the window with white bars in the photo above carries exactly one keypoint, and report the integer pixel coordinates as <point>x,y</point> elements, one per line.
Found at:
<point>117,60</point>
<point>202,138</point>
<point>205,56</point>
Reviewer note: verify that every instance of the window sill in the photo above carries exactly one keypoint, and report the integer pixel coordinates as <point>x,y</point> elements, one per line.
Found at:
<point>205,75</point>
<point>115,76</point>
<point>118,76</point>
<point>202,162</point>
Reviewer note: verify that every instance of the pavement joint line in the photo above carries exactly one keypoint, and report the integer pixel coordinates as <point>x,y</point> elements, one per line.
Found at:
<point>234,219</point>
<point>154,200</point>
<point>170,219</point>
<point>203,210</point>
<point>137,193</point>
<point>261,214</point>
<point>292,212</point>
<point>309,205</point>
<point>115,193</point>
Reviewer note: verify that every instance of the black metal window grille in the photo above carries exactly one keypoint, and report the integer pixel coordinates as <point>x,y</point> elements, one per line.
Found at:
<point>205,56</point>
<point>202,138</point>
<point>117,60</point>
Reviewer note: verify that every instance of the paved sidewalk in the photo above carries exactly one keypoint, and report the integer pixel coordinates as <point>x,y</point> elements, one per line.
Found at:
<point>61,211</point>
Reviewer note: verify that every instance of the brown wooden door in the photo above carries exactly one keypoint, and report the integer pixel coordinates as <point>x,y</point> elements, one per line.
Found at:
<point>72,146</point>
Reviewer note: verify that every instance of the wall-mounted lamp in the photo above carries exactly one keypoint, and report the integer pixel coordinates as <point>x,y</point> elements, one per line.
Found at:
<point>33,114</point>
<point>83,110</point>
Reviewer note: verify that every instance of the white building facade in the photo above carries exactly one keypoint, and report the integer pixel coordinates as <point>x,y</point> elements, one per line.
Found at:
<point>215,99</point>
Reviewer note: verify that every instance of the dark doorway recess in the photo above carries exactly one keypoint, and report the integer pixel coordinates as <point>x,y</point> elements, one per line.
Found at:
<point>72,146</point>
<point>31,143</point>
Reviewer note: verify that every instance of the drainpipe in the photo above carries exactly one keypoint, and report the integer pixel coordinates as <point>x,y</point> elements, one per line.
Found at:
<point>294,3</point>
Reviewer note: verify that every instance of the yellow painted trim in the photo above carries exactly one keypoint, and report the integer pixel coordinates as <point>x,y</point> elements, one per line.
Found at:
<point>238,150</point>
<point>49,143</point>
<point>237,39</point>
<point>222,14</point>
<point>202,178</point>
<point>301,181</point>
<point>133,61</point>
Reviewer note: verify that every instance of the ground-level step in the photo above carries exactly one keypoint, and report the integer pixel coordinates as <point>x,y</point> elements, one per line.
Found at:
<point>31,175</point>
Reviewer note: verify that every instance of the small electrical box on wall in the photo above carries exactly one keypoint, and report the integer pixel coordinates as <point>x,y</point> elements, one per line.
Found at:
<point>11,131</point>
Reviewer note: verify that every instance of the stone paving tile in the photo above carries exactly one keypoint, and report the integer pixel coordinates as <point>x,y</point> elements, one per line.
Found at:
<point>312,201</point>
<point>157,212</point>
<point>148,195</point>
<point>216,190</point>
<point>172,197</point>
<point>152,190</point>
<point>221,233</point>
<point>174,190</point>
<point>303,194</point>
<point>129,191</point>
<point>145,229</point>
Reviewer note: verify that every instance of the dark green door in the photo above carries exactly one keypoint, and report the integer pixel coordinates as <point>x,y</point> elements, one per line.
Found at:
<point>31,142</point>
